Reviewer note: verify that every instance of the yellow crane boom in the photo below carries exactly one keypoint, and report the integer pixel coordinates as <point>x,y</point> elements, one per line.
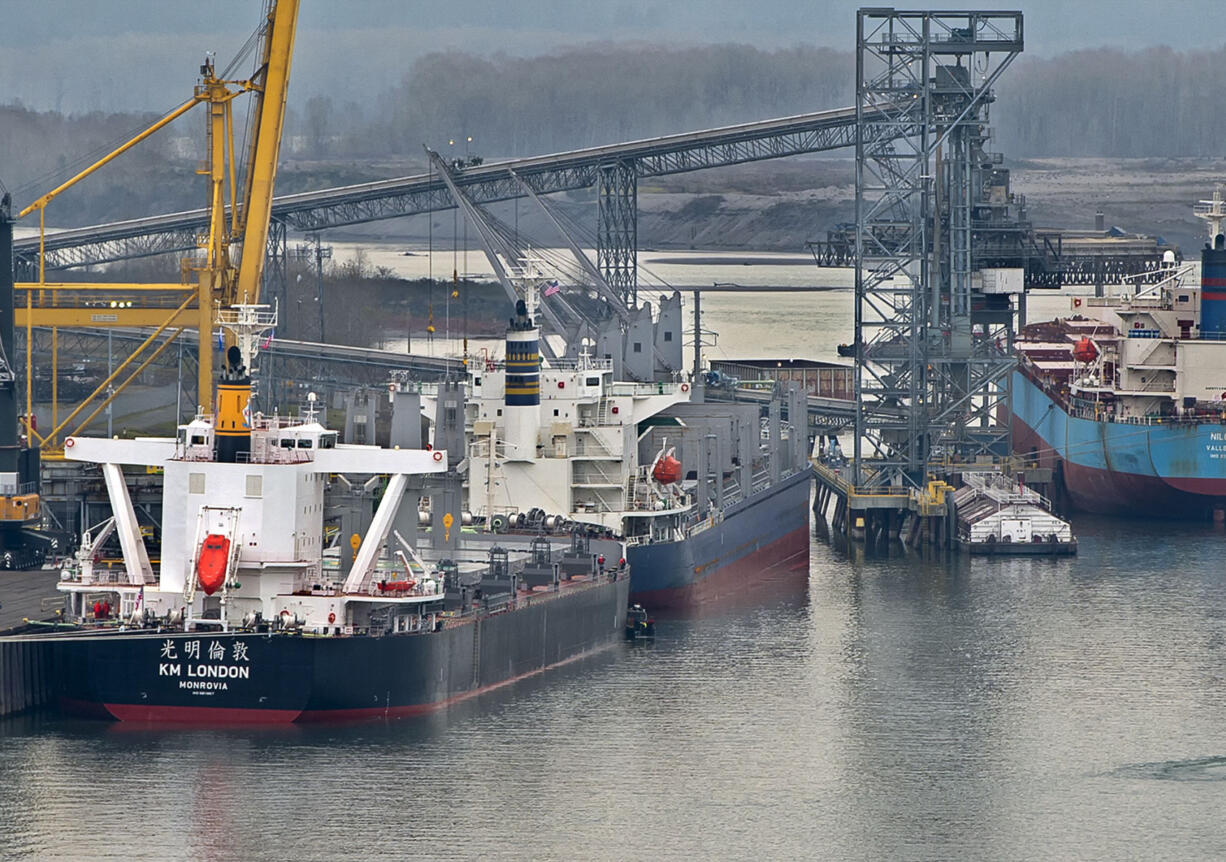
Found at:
<point>265,146</point>
<point>217,282</point>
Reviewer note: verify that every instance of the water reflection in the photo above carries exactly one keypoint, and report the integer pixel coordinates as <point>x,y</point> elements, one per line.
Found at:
<point>886,706</point>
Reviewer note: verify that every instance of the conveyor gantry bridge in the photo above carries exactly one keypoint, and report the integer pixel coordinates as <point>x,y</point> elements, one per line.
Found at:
<point>614,170</point>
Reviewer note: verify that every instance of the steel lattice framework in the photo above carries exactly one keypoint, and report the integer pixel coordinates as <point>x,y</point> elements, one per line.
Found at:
<point>488,183</point>
<point>617,229</point>
<point>928,372</point>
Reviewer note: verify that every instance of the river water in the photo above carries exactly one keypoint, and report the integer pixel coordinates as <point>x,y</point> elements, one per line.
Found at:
<point>900,707</point>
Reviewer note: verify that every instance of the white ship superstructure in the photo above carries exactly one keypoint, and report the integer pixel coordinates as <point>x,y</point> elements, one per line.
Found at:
<point>242,540</point>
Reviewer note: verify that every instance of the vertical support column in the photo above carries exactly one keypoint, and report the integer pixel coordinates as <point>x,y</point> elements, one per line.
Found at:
<point>747,440</point>
<point>617,228</point>
<point>774,425</point>
<point>364,562</point>
<point>406,434</point>
<point>701,471</point>
<point>275,289</point>
<point>135,557</point>
<point>9,444</point>
<point>204,352</point>
<point>798,418</point>
<point>698,385</point>
<point>918,376</point>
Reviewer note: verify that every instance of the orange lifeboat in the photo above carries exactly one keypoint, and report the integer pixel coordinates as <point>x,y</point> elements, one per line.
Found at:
<point>667,470</point>
<point>211,566</point>
<point>1085,351</point>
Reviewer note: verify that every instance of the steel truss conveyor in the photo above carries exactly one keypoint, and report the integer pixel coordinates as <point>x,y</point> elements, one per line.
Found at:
<point>613,166</point>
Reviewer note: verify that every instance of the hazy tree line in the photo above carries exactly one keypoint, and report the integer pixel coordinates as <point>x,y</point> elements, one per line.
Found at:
<point>1108,102</point>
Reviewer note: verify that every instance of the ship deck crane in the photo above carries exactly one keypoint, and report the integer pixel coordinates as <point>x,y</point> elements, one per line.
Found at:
<point>207,284</point>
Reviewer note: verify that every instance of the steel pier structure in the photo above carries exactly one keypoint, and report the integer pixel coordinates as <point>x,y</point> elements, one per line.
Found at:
<point>934,307</point>
<point>927,331</point>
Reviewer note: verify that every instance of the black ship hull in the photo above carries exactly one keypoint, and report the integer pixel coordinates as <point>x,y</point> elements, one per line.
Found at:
<point>755,541</point>
<point>239,677</point>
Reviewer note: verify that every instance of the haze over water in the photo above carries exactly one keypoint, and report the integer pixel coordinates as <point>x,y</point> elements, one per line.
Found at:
<point>882,708</point>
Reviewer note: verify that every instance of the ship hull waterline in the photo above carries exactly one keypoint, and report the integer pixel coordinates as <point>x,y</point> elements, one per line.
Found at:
<point>761,542</point>
<point>1151,470</point>
<point>247,677</point>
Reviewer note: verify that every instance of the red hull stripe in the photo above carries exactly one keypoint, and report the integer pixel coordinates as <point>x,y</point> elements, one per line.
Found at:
<point>220,716</point>
<point>1093,489</point>
<point>199,714</point>
<point>1212,281</point>
<point>738,582</point>
<point>1213,295</point>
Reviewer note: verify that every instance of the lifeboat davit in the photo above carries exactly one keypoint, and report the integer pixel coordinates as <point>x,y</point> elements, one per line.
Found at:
<point>211,566</point>
<point>667,470</point>
<point>1085,351</point>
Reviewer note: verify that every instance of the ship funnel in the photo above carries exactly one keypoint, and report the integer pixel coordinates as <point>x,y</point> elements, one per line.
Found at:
<point>233,427</point>
<point>522,411</point>
<point>1213,290</point>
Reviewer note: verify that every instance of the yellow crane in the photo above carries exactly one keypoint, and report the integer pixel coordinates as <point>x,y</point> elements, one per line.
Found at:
<point>208,283</point>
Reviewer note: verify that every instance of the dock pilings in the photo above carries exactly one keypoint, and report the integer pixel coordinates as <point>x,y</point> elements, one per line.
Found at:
<point>876,516</point>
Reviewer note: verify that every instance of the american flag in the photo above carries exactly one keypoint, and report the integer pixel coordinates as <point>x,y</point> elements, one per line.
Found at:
<point>552,288</point>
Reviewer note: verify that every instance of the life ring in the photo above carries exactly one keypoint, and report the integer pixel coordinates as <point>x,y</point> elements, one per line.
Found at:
<point>69,443</point>
<point>685,387</point>
<point>438,456</point>
<point>1077,302</point>
<point>331,618</point>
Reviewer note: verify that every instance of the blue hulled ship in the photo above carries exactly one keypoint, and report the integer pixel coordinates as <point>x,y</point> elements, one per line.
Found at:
<point>1126,398</point>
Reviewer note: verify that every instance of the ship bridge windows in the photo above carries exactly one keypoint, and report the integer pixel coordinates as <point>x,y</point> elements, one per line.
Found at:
<point>195,439</point>
<point>305,443</point>
<point>327,441</point>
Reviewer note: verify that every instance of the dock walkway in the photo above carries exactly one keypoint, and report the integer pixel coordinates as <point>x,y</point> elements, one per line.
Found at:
<point>22,596</point>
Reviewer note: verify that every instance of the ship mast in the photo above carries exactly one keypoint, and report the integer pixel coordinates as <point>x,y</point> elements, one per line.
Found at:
<point>1214,212</point>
